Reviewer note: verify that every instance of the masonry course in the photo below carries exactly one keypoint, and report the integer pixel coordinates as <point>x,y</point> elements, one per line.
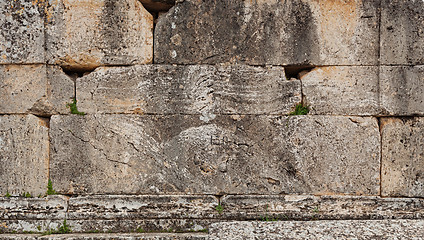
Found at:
<point>186,125</point>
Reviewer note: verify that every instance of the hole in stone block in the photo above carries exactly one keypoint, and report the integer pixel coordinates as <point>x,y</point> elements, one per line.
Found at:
<point>294,71</point>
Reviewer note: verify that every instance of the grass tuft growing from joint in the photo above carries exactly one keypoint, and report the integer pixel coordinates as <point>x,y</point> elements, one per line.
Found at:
<point>73,107</point>
<point>300,110</point>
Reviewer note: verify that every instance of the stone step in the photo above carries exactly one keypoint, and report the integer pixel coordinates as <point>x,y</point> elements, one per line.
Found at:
<point>348,229</point>
<point>109,236</point>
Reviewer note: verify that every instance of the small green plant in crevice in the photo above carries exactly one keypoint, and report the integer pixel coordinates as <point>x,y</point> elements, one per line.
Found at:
<point>26,195</point>
<point>73,107</point>
<point>219,209</point>
<point>140,230</point>
<point>62,229</point>
<point>300,109</point>
<point>50,190</point>
<point>7,195</point>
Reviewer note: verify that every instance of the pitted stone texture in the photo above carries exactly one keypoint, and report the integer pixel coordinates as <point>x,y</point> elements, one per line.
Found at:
<point>229,154</point>
<point>402,157</point>
<point>147,225</point>
<point>109,236</point>
<point>307,207</point>
<point>269,32</point>
<point>402,90</point>
<point>51,207</point>
<point>83,35</point>
<point>375,229</point>
<point>22,31</point>
<point>24,155</point>
<point>36,89</point>
<point>143,207</point>
<point>402,32</point>
<point>204,89</point>
<point>158,5</point>
<point>348,90</point>
<point>129,236</point>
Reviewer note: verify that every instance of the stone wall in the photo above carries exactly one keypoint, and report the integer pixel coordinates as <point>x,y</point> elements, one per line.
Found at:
<point>184,117</point>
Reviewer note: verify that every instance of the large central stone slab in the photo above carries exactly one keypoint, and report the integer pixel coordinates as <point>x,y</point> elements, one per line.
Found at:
<point>136,154</point>
<point>274,32</point>
<point>194,89</point>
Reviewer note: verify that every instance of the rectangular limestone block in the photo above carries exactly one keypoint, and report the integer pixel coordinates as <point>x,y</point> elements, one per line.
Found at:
<point>402,157</point>
<point>300,32</point>
<point>194,89</point>
<point>24,155</point>
<point>35,89</point>
<point>402,32</point>
<point>345,90</point>
<point>137,154</point>
<point>142,207</point>
<point>22,31</point>
<point>85,34</point>
<point>309,207</point>
<point>18,208</point>
<point>402,90</point>
<point>300,230</point>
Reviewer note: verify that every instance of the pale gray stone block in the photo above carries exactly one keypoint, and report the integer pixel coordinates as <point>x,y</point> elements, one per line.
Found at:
<point>402,32</point>
<point>24,155</point>
<point>402,157</point>
<point>204,89</point>
<point>402,90</point>
<point>22,31</point>
<point>142,207</point>
<point>345,90</point>
<point>359,229</point>
<point>228,154</point>
<point>35,89</point>
<point>83,35</point>
<point>269,32</point>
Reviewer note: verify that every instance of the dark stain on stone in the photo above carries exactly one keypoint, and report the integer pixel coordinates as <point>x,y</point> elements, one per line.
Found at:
<point>114,24</point>
<point>303,40</point>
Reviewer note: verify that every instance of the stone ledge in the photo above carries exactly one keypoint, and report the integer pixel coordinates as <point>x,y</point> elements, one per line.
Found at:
<point>356,229</point>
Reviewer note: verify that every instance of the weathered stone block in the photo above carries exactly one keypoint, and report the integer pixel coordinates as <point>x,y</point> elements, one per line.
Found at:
<point>402,90</point>
<point>34,89</point>
<point>24,154</point>
<point>205,89</point>
<point>229,154</point>
<point>83,35</point>
<point>142,207</point>
<point>366,229</point>
<point>348,90</point>
<point>269,32</point>
<point>402,32</point>
<point>402,157</point>
<point>22,31</point>
<point>18,208</point>
<point>307,207</point>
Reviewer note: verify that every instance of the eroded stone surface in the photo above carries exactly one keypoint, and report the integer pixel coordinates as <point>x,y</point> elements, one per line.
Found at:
<point>376,229</point>
<point>18,208</point>
<point>269,32</point>
<point>22,31</point>
<point>206,90</point>
<point>35,89</point>
<point>24,155</point>
<point>83,35</point>
<point>402,157</point>
<point>402,32</point>
<point>228,154</point>
<point>402,90</point>
<point>307,207</point>
<point>142,207</point>
<point>348,90</point>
